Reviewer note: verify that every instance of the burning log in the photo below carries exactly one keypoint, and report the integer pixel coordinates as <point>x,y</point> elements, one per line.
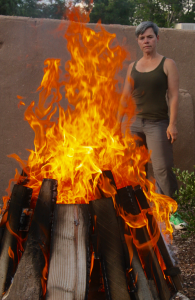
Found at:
<point>111,249</point>
<point>11,243</point>
<point>153,285</point>
<point>139,288</point>
<point>144,290</point>
<point>171,269</point>
<point>3,220</point>
<point>69,265</point>
<point>150,261</point>
<point>29,280</point>
<point>2,229</point>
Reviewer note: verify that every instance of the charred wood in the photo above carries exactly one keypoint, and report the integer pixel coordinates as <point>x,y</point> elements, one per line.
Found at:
<point>2,229</point>
<point>3,220</point>
<point>153,289</point>
<point>171,270</point>
<point>108,174</point>
<point>144,291</point>
<point>110,247</point>
<point>28,277</point>
<point>9,254</point>
<point>150,260</point>
<point>96,284</point>
<point>130,275</point>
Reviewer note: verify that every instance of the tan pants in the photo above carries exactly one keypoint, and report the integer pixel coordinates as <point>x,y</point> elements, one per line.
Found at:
<point>154,137</point>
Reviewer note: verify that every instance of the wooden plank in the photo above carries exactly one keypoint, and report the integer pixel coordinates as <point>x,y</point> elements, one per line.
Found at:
<point>161,243</point>
<point>69,261</point>
<point>9,240</point>
<point>83,253</point>
<point>130,206</point>
<point>112,255</point>
<point>144,292</point>
<point>27,280</point>
<point>3,220</point>
<point>95,283</point>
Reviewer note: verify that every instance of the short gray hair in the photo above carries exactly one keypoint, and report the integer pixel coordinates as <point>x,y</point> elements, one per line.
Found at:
<point>141,28</point>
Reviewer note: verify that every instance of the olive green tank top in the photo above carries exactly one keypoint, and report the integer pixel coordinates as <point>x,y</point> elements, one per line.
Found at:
<point>149,92</point>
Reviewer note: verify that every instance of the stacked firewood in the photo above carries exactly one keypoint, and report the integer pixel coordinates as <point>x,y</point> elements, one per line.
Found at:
<point>46,250</point>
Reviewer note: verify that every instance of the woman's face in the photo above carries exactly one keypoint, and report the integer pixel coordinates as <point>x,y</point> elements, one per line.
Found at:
<point>148,41</point>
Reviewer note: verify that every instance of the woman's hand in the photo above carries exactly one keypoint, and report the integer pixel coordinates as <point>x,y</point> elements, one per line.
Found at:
<point>172,133</point>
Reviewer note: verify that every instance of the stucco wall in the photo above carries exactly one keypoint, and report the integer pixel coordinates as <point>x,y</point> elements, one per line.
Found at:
<point>24,45</point>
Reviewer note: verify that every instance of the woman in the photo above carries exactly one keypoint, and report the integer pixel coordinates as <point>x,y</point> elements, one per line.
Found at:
<point>155,78</point>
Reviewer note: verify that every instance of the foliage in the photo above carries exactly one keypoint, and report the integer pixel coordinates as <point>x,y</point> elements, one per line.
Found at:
<point>149,10</point>
<point>9,7</point>
<point>113,12</point>
<point>165,13</point>
<point>56,10</point>
<point>29,8</point>
<point>33,8</point>
<point>186,197</point>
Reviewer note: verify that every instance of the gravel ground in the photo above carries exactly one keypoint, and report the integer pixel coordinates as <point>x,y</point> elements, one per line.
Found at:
<point>184,249</point>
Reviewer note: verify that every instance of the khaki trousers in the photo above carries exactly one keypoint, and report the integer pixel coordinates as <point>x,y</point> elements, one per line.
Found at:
<point>153,136</point>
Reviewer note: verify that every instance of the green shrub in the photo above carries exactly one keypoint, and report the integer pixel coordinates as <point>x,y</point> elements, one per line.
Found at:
<point>186,198</point>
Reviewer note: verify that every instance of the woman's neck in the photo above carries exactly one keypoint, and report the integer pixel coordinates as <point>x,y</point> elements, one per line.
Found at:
<point>150,56</point>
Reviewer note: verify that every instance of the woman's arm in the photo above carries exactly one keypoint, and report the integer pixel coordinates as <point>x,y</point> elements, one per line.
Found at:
<point>173,94</point>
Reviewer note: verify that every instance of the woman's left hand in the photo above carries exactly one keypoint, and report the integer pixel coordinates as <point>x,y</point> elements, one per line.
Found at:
<point>172,133</point>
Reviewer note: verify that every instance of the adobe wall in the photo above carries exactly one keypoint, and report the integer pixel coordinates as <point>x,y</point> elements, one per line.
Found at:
<point>24,45</point>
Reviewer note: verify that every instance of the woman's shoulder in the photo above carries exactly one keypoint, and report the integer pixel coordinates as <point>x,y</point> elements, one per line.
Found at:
<point>169,61</point>
<point>169,65</point>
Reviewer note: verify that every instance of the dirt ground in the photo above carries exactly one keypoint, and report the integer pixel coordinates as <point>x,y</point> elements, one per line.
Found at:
<point>184,249</point>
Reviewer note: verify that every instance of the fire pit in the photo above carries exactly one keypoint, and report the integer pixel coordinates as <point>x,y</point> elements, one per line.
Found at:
<point>139,270</point>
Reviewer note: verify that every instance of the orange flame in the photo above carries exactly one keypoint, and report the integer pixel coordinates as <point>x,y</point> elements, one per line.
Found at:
<point>21,103</point>
<point>129,241</point>
<point>92,263</point>
<point>44,273</point>
<point>3,218</point>
<point>20,97</point>
<point>8,190</point>
<point>20,248</point>
<point>10,253</point>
